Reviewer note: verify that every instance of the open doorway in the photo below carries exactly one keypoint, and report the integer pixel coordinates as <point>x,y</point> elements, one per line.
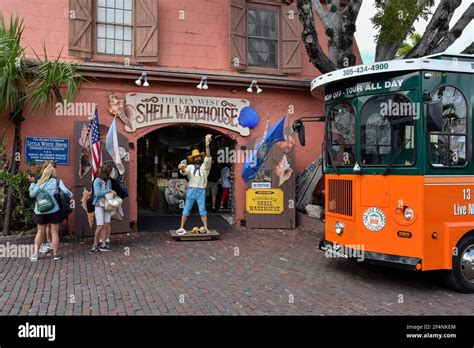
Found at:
<point>162,189</point>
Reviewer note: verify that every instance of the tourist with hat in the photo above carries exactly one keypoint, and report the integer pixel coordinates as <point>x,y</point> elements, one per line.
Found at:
<point>197,174</point>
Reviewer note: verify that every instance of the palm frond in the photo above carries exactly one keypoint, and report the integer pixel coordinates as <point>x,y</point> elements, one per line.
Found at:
<point>49,77</point>
<point>415,37</point>
<point>407,45</point>
<point>12,65</point>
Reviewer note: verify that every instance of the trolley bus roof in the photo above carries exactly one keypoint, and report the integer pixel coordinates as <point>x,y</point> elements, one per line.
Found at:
<point>463,63</point>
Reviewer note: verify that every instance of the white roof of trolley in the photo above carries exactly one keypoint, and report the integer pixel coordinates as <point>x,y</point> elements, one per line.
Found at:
<point>463,63</point>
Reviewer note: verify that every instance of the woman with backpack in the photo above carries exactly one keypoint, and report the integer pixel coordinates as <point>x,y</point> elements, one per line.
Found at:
<point>101,186</point>
<point>47,246</point>
<point>47,211</point>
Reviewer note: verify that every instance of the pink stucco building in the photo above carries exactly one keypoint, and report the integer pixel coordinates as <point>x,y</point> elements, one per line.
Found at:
<point>176,43</point>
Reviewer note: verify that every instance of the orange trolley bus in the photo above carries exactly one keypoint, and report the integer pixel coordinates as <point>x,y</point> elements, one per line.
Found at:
<point>399,164</point>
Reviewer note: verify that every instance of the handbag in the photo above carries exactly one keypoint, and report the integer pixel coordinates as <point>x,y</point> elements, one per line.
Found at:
<point>64,202</point>
<point>112,202</point>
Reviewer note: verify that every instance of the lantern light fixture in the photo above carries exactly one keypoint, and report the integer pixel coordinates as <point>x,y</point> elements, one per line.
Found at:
<point>143,77</point>
<point>252,85</point>
<point>203,83</point>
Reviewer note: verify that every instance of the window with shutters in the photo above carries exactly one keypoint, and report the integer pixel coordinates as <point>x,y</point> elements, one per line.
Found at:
<point>265,36</point>
<point>109,30</point>
<point>114,27</point>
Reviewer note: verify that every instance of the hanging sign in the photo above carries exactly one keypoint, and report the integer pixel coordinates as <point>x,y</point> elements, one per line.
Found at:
<point>265,201</point>
<point>266,185</point>
<point>47,149</point>
<point>144,109</point>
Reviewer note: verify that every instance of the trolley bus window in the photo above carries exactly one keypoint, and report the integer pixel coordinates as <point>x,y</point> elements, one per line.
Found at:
<point>448,147</point>
<point>342,134</point>
<point>387,131</point>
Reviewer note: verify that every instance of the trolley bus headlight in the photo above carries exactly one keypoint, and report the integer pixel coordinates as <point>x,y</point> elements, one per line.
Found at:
<point>339,227</point>
<point>408,213</point>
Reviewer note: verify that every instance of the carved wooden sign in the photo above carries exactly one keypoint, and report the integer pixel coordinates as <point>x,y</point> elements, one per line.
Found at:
<point>145,109</point>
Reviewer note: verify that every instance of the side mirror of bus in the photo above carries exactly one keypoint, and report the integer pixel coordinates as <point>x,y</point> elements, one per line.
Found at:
<point>434,116</point>
<point>298,127</point>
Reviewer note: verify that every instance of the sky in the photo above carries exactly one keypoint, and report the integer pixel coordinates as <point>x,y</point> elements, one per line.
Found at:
<point>365,29</point>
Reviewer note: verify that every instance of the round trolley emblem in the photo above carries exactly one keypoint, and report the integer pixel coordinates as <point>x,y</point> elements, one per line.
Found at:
<point>374,219</point>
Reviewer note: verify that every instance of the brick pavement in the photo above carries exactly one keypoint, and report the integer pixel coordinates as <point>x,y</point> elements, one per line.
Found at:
<point>248,272</point>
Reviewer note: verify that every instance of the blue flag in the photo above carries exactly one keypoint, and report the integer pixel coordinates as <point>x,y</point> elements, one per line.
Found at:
<point>259,154</point>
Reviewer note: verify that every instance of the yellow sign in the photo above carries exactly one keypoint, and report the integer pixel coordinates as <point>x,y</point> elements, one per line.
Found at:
<point>265,201</point>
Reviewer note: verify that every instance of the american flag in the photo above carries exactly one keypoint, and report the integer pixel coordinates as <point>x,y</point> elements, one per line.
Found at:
<point>96,150</point>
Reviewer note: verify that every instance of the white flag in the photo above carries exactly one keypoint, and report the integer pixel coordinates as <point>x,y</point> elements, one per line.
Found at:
<point>111,145</point>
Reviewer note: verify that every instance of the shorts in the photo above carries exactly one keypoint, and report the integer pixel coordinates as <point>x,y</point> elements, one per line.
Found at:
<point>102,216</point>
<point>212,186</point>
<point>51,218</point>
<point>198,195</point>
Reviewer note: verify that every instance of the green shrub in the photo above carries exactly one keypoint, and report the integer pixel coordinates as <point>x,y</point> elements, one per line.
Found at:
<point>23,205</point>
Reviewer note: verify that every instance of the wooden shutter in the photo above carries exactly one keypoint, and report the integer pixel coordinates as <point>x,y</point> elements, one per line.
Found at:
<point>146,30</point>
<point>291,30</point>
<point>238,34</point>
<point>80,28</point>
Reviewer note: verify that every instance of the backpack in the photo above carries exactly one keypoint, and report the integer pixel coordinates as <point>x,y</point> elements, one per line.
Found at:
<point>44,201</point>
<point>64,202</point>
<point>90,206</point>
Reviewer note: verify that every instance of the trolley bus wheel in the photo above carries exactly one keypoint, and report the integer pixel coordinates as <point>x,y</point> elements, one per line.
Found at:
<point>461,277</point>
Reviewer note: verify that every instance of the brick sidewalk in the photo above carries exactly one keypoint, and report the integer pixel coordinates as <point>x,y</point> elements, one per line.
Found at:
<point>275,272</point>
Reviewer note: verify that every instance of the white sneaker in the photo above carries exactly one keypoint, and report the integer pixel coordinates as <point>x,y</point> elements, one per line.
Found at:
<point>46,248</point>
<point>34,258</point>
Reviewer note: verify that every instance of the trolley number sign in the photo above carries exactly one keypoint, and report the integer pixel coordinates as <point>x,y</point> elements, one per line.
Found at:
<point>358,70</point>
<point>39,150</point>
<point>265,201</point>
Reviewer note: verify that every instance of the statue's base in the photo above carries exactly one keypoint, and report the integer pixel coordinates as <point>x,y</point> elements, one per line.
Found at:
<point>213,234</point>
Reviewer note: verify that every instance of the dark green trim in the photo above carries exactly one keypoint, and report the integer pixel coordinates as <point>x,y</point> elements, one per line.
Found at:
<point>413,86</point>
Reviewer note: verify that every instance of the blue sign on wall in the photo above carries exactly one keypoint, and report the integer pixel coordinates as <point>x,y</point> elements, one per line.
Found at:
<point>44,149</point>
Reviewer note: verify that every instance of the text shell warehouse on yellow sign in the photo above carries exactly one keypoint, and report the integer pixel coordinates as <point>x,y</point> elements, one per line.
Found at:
<point>269,201</point>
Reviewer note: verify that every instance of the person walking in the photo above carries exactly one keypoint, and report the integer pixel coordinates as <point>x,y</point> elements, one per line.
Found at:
<point>197,174</point>
<point>225,180</point>
<point>47,209</point>
<point>102,185</point>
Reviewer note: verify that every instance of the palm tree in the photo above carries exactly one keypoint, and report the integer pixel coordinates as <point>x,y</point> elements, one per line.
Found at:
<point>35,84</point>
<point>407,46</point>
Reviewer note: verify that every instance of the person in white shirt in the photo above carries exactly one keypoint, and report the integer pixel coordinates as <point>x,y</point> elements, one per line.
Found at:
<point>197,174</point>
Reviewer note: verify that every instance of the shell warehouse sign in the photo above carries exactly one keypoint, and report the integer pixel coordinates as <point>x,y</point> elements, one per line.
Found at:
<point>144,109</point>
<point>265,201</point>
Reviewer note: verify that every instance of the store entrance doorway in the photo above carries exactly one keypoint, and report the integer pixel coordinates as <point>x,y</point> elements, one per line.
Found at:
<point>162,189</point>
